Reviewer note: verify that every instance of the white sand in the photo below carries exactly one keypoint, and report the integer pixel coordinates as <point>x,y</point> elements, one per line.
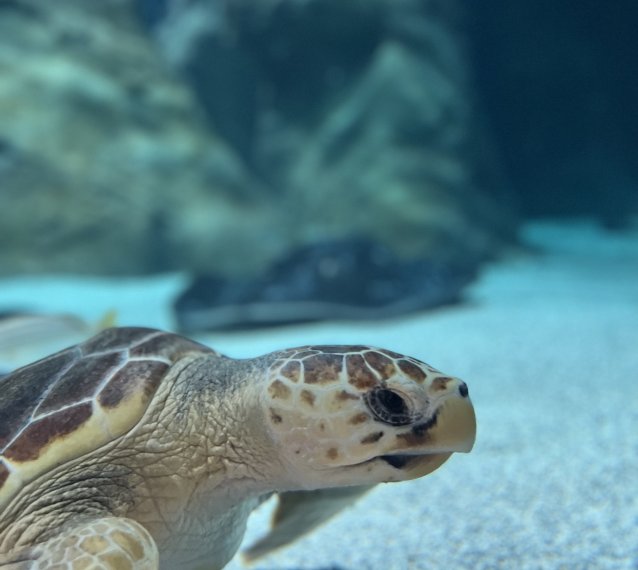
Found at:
<point>549,348</point>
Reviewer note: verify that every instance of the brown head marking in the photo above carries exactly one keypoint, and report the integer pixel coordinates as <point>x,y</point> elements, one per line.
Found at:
<point>359,418</point>
<point>439,384</point>
<point>339,349</point>
<point>332,453</point>
<point>322,368</point>
<point>382,364</point>
<point>308,397</point>
<point>411,370</point>
<point>372,438</point>
<point>345,395</point>
<point>391,353</point>
<point>359,375</point>
<point>279,390</point>
<point>305,353</point>
<point>275,417</point>
<point>419,434</point>
<point>291,370</point>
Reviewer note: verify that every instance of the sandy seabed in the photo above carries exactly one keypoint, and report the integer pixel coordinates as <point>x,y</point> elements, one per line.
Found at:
<point>548,344</point>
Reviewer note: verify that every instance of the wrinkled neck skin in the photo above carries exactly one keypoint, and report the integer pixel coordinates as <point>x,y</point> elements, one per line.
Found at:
<point>214,462</point>
<point>191,471</point>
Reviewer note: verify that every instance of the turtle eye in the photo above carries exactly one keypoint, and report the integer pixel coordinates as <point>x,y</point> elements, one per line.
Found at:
<point>389,407</point>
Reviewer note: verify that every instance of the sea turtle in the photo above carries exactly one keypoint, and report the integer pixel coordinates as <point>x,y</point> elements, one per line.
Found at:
<point>140,449</point>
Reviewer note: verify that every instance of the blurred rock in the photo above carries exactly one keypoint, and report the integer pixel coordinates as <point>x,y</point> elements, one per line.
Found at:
<point>358,116</point>
<point>297,122</point>
<point>106,165</point>
<point>351,279</point>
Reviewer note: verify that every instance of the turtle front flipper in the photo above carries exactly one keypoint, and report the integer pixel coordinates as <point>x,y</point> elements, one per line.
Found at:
<point>109,543</point>
<point>299,512</point>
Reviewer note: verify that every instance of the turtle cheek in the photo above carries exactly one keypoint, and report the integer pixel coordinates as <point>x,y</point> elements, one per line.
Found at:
<point>294,436</point>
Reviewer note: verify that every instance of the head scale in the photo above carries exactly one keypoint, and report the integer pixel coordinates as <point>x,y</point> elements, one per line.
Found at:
<point>346,415</point>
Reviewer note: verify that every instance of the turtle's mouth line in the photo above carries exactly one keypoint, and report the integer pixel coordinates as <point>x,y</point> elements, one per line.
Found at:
<point>407,461</point>
<point>399,461</point>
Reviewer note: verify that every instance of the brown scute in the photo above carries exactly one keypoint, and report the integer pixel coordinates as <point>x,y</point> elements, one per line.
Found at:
<point>345,395</point>
<point>339,349</point>
<point>80,381</point>
<point>169,346</point>
<point>279,390</point>
<point>391,353</point>
<point>382,364</point>
<point>424,365</point>
<point>42,432</point>
<point>4,473</point>
<point>275,417</point>
<point>322,368</point>
<point>412,371</point>
<point>359,375</point>
<point>23,388</point>
<point>308,397</point>
<point>291,370</point>
<point>116,338</point>
<point>332,453</point>
<point>440,384</point>
<point>143,375</point>
<point>305,353</point>
<point>359,419</point>
<point>372,438</point>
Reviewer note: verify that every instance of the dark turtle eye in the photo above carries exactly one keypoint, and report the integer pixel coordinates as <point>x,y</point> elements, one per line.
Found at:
<point>389,407</point>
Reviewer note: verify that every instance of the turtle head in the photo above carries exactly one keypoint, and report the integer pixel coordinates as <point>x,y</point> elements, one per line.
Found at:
<point>355,415</point>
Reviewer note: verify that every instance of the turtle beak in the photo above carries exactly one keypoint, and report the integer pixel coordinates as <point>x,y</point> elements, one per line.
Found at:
<point>428,447</point>
<point>455,428</point>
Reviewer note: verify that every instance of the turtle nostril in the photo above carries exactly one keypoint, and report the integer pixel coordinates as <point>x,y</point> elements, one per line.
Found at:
<point>463,390</point>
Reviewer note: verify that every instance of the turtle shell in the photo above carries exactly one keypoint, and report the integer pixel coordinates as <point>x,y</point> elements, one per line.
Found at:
<point>79,399</point>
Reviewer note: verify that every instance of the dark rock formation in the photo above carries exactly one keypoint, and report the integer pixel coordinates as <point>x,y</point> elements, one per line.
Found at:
<point>358,117</point>
<point>339,280</point>
<point>300,122</point>
<point>106,165</point>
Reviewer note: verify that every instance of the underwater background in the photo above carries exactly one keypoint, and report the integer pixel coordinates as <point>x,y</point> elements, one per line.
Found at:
<point>450,179</point>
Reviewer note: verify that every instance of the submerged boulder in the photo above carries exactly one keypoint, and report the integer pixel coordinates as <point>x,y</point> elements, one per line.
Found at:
<point>359,118</point>
<point>106,165</point>
<point>338,280</point>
